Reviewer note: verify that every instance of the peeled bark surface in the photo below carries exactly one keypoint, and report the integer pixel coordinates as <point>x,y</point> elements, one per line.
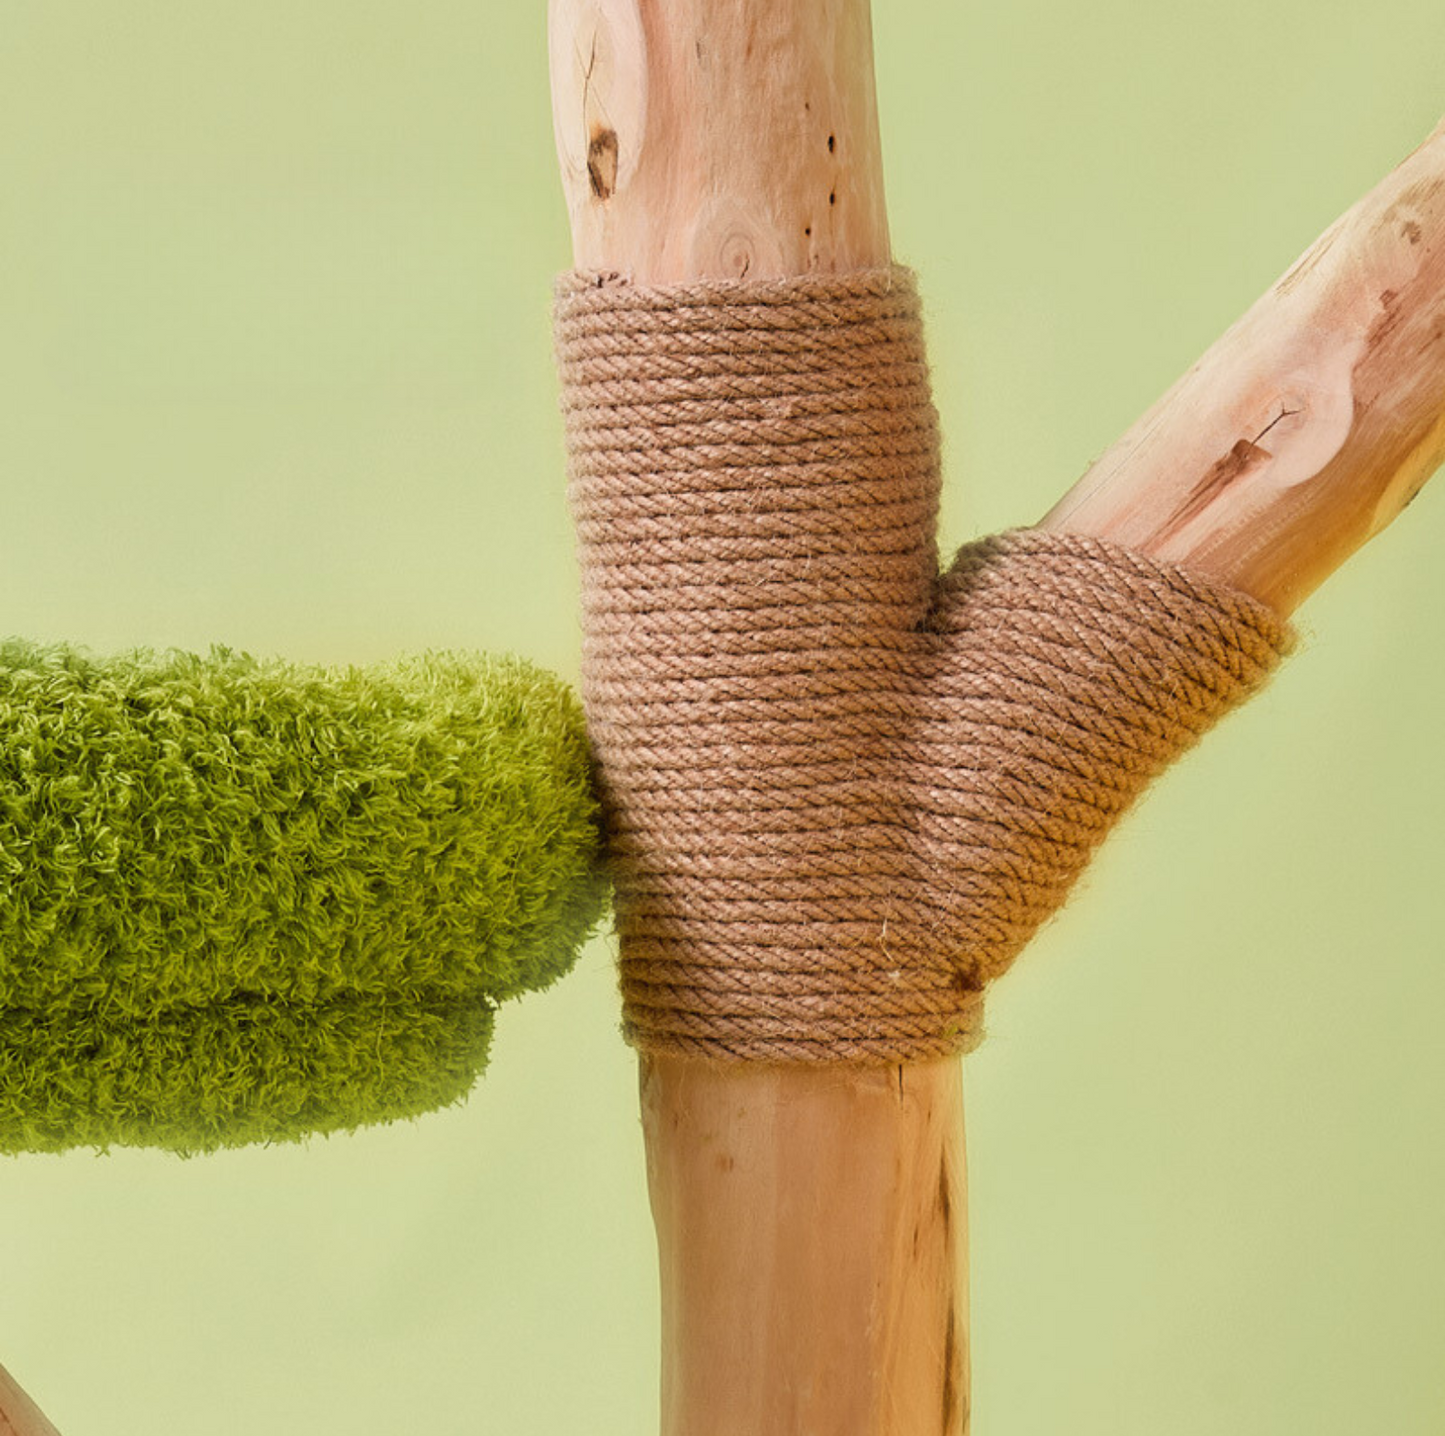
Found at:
<point>724,140</point>
<point>1311,423</point>
<point>813,1247</point>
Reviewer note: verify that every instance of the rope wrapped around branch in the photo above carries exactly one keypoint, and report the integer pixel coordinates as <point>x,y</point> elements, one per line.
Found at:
<point>842,791</point>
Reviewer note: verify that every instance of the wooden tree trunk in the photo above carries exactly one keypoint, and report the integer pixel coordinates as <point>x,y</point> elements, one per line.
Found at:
<point>811,1222</point>
<point>721,141</point>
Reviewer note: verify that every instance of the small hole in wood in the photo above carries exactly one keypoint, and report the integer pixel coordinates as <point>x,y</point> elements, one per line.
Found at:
<point>831,144</point>
<point>833,196</point>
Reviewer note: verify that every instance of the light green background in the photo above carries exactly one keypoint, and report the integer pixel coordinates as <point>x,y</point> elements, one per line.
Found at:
<point>275,371</point>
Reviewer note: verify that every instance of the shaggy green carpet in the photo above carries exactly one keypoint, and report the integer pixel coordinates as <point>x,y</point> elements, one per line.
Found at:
<point>244,900</point>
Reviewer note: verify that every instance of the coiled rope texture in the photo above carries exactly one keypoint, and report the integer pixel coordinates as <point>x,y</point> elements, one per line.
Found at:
<point>841,791</point>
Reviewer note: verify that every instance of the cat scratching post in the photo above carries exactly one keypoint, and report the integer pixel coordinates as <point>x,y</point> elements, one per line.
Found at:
<point>811,1219</point>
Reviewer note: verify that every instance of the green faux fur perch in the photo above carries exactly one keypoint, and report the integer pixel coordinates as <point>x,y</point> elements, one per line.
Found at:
<point>245,900</point>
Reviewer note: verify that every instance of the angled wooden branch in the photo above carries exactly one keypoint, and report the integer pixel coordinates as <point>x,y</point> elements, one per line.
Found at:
<point>810,1221</point>
<point>19,1415</point>
<point>1308,425</point>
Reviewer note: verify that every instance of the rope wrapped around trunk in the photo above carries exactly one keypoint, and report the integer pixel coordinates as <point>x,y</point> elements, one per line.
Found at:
<point>841,791</point>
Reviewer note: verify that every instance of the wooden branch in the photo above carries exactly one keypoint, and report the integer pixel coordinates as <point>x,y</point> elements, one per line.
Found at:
<point>19,1415</point>
<point>1311,423</point>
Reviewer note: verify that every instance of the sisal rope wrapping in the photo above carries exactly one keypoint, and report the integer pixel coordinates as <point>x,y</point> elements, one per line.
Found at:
<point>841,791</point>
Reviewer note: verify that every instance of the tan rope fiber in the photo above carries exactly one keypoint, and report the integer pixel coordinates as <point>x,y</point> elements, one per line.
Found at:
<point>841,791</point>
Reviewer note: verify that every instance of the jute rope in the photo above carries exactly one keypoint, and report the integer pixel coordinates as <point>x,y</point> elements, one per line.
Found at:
<point>841,791</point>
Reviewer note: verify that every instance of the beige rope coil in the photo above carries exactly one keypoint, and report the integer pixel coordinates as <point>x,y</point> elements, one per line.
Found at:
<point>841,791</point>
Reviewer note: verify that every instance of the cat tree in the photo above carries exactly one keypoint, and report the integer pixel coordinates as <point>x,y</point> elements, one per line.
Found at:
<point>811,1216</point>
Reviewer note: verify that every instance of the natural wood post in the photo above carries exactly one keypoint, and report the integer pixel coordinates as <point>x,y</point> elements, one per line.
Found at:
<point>718,139</point>
<point>811,1223</point>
